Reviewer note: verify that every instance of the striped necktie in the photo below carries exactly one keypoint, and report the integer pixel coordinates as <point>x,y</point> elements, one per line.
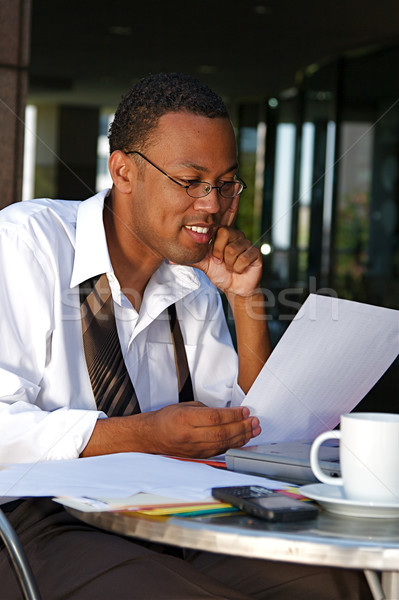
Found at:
<point>112,387</point>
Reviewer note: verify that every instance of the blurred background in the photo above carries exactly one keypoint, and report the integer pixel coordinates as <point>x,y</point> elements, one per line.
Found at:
<point>313,92</point>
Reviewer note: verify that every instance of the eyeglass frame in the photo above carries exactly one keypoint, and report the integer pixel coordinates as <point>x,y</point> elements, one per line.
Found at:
<point>186,187</point>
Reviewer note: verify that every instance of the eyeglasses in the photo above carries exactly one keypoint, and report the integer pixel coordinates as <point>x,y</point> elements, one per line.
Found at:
<point>199,189</point>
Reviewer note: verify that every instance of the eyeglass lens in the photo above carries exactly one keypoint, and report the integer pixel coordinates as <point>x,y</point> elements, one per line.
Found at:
<point>229,189</point>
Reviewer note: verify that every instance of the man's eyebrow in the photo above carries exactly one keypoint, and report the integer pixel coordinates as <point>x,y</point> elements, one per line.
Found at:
<point>202,169</point>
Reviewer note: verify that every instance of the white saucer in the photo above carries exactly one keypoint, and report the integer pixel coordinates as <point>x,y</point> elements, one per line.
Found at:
<point>331,497</point>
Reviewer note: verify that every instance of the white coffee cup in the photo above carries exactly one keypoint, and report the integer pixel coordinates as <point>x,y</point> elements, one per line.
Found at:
<point>369,457</point>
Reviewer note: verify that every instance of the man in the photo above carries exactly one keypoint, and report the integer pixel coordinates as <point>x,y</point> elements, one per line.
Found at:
<point>155,246</point>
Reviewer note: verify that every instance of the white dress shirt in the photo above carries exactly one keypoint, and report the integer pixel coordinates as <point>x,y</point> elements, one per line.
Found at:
<point>47,408</point>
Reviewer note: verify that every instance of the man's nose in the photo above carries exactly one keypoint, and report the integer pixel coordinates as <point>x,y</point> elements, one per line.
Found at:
<point>209,203</point>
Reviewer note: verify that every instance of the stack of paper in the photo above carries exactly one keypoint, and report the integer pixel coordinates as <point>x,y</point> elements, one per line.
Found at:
<point>120,476</point>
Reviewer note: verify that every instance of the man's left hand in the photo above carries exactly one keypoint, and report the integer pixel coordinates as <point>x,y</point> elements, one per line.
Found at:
<point>233,264</point>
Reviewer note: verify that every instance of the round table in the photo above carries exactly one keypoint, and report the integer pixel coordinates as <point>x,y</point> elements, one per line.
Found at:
<point>336,541</point>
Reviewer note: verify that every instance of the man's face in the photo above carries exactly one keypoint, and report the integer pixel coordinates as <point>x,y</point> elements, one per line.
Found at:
<point>166,220</point>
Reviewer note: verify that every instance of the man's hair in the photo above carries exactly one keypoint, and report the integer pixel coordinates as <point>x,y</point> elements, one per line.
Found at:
<point>153,96</point>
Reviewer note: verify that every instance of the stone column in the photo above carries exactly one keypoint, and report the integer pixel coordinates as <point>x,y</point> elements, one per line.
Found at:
<point>14,60</point>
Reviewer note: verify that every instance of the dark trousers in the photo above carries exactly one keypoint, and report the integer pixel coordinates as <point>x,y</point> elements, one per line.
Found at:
<point>72,560</point>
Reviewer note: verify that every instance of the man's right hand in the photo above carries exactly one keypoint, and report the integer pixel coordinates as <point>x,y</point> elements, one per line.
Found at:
<point>188,430</point>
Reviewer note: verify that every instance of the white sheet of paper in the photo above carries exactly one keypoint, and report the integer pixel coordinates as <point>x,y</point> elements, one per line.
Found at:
<point>330,356</point>
<point>118,476</point>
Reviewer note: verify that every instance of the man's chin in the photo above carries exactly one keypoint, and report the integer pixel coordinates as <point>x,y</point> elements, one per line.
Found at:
<point>188,259</point>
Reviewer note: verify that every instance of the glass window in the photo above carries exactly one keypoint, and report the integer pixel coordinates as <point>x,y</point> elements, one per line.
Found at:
<point>282,197</point>
<point>353,206</point>
<point>103,178</point>
<point>28,182</point>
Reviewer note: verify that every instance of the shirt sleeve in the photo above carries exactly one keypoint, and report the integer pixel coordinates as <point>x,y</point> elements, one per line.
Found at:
<point>30,431</point>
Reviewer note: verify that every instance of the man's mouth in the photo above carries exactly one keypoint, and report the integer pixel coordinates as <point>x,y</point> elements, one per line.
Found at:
<point>197,229</point>
<point>200,234</point>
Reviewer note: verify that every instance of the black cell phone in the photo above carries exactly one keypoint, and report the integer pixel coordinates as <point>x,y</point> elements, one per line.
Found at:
<point>266,504</point>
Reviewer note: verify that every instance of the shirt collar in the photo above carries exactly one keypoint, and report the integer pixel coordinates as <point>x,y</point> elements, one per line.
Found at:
<point>91,251</point>
<point>168,284</point>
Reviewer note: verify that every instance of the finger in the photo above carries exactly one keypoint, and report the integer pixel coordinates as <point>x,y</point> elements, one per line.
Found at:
<point>228,433</point>
<point>236,440</point>
<point>248,258</point>
<point>216,440</point>
<point>216,417</point>
<point>224,237</point>
<point>234,250</point>
<point>200,446</point>
<point>230,215</point>
<point>237,443</point>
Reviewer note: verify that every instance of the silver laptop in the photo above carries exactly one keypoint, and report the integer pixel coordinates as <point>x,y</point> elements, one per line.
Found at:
<point>286,461</point>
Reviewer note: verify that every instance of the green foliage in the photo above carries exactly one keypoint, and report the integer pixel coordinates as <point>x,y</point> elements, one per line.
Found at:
<point>245,219</point>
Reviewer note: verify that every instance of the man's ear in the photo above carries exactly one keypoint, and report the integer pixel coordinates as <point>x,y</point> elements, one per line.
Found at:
<point>122,171</point>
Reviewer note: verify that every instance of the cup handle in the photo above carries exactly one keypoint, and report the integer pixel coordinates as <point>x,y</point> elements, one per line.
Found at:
<point>314,458</point>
